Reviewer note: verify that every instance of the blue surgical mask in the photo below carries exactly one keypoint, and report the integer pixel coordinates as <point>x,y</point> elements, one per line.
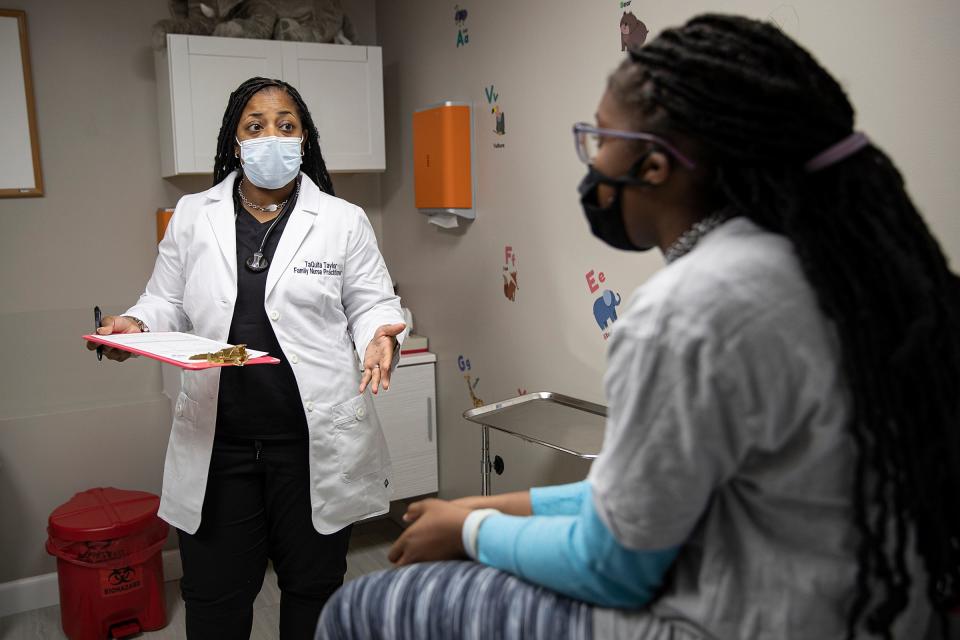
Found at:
<point>272,161</point>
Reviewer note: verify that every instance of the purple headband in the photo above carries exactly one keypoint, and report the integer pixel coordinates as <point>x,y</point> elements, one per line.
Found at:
<point>837,152</point>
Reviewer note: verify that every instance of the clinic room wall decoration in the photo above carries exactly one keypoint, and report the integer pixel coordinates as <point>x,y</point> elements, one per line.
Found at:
<point>605,306</point>
<point>463,364</point>
<point>20,171</point>
<point>499,124</point>
<point>633,33</point>
<point>460,19</point>
<point>510,285</point>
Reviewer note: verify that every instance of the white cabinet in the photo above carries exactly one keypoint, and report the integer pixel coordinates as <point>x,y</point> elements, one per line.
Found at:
<point>341,85</point>
<point>407,414</point>
<point>343,88</point>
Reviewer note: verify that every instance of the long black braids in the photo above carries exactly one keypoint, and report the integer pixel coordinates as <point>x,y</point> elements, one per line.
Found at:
<point>759,106</point>
<point>226,160</point>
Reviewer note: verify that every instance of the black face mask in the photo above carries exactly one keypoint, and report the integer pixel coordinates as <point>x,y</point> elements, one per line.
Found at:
<point>606,222</point>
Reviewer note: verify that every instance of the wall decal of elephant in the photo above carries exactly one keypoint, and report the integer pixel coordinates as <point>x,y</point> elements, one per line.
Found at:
<point>605,308</point>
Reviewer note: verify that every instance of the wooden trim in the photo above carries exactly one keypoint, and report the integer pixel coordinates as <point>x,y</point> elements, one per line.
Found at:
<point>21,17</point>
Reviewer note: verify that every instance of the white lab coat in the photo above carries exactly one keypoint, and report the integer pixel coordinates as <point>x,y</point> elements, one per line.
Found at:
<point>327,292</point>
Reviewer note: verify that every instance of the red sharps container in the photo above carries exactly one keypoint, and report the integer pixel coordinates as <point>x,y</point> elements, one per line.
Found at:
<point>107,542</point>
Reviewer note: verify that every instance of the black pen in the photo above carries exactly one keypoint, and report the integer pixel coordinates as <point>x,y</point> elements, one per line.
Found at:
<point>96,325</point>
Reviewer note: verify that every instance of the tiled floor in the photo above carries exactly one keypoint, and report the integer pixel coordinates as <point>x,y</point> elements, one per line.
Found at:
<point>368,552</point>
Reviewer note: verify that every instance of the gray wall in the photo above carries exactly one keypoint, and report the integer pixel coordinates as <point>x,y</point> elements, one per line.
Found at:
<point>548,62</point>
<point>68,423</point>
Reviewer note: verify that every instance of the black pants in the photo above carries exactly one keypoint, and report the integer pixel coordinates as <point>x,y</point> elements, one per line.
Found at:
<point>257,506</point>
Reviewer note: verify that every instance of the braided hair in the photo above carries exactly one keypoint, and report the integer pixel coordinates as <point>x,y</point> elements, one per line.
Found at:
<point>226,160</point>
<point>759,106</point>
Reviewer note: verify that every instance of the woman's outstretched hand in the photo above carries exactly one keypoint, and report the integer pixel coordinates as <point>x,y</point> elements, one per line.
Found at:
<point>379,357</point>
<point>434,534</point>
<point>114,324</point>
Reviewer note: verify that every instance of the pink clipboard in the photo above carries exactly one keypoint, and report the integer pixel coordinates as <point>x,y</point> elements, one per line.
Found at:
<point>192,366</point>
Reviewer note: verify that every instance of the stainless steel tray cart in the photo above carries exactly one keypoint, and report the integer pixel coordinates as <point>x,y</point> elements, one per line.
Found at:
<point>553,420</point>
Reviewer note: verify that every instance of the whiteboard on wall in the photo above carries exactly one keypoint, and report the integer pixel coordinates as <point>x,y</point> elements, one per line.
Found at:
<point>19,147</point>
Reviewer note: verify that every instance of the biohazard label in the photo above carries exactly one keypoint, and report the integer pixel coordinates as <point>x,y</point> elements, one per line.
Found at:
<point>114,582</point>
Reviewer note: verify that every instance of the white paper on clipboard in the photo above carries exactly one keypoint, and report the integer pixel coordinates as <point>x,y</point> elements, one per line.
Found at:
<point>174,347</point>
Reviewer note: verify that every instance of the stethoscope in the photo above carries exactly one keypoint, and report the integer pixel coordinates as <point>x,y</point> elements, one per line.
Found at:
<point>257,263</point>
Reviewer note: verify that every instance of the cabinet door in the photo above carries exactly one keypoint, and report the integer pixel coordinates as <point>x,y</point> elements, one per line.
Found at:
<point>203,71</point>
<point>343,88</point>
<point>407,414</point>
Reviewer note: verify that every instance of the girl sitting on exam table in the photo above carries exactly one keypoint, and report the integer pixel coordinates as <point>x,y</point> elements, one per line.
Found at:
<point>781,451</point>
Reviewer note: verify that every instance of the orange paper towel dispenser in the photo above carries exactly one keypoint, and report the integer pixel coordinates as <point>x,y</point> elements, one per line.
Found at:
<point>163,219</point>
<point>443,162</point>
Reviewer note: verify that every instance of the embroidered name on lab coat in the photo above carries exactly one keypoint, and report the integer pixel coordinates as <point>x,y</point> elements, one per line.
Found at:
<point>319,268</point>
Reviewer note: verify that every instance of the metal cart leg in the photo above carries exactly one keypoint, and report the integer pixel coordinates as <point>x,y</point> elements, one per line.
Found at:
<point>485,460</point>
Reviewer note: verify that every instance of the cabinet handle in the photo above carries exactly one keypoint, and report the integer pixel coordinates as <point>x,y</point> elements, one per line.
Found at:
<point>429,420</point>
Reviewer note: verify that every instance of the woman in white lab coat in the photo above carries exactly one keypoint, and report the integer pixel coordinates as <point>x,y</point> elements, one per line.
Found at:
<point>271,462</point>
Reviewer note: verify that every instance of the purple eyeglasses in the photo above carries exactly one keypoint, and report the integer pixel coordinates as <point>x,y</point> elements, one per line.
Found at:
<point>586,138</point>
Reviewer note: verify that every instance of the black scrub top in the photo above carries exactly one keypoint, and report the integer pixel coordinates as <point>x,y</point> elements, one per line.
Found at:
<point>260,402</point>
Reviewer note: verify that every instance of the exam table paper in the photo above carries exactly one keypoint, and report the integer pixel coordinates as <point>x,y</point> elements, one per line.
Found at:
<point>175,347</point>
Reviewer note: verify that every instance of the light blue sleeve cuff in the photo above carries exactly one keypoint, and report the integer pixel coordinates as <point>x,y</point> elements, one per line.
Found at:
<point>471,529</point>
<point>574,555</point>
<point>559,499</point>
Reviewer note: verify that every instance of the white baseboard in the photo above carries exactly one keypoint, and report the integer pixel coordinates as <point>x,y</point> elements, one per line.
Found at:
<point>27,594</point>
<point>41,591</point>
<point>172,570</point>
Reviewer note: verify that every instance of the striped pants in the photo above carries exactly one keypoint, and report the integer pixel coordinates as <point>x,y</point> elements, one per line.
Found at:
<point>451,601</point>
